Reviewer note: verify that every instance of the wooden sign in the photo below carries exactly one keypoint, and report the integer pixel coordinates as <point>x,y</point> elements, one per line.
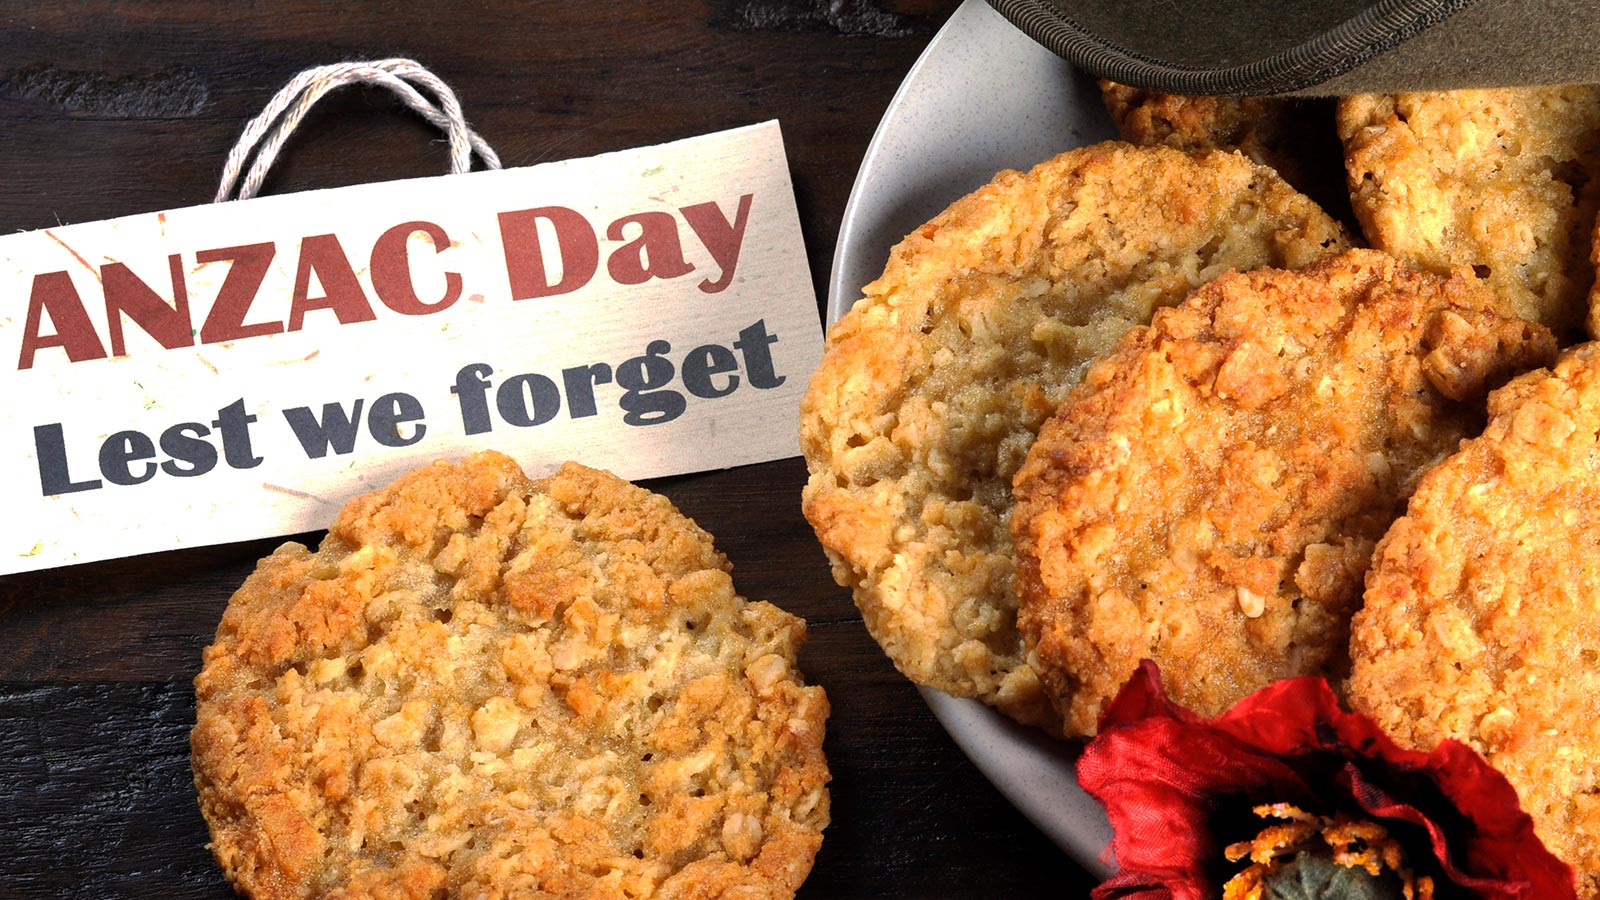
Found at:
<point>240,370</point>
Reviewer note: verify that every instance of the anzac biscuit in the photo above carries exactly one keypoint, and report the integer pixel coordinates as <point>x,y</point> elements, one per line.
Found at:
<point>931,389</point>
<point>482,686</point>
<point>1482,612</point>
<point>1209,496</point>
<point>1505,181</point>
<point>1295,136</point>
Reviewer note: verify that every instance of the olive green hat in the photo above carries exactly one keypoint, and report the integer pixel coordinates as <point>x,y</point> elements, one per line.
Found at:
<point>1320,47</point>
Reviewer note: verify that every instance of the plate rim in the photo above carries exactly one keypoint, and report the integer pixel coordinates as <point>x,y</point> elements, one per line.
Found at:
<point>992,742</point>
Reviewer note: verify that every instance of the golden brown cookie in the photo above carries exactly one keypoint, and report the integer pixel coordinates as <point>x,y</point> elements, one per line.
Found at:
<point>485,686</point>
<point>1209,496</point>
<point>1293,135</point>
<point>931,389</point>
<point>1505,181</point>
<point>1482,612</point>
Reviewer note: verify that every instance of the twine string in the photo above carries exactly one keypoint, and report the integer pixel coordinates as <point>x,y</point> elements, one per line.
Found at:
<point>266,134</point>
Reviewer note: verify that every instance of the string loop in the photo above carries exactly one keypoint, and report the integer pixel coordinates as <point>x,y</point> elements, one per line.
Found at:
<point>268,132</point>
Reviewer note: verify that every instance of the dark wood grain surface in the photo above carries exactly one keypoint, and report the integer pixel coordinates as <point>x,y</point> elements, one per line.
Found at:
<point>108,109</point>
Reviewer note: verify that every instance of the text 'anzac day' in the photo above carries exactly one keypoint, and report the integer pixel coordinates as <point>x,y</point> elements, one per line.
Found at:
<point>548,251</point>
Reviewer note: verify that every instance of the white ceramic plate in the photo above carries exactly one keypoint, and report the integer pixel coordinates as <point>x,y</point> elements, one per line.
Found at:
<point>983,97</point>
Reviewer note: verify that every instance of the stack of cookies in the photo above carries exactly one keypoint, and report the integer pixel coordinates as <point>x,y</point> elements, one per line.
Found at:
<point>1150,401</point>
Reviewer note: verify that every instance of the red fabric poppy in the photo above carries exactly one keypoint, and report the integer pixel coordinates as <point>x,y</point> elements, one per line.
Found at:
<point>1179,788</point>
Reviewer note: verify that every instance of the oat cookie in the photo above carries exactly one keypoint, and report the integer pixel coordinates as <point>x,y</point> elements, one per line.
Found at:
<point>1482,611</point>
<point>1209,496</point>
<point>931,389</point>
<point>1506,181</point>
<point>1293,135</point>
<point>482,686</point>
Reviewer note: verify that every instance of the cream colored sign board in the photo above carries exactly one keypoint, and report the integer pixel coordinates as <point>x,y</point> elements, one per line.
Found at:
<point>240,370</point>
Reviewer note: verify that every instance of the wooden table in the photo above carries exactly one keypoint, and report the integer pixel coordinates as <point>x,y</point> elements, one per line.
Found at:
<point>108,109</point>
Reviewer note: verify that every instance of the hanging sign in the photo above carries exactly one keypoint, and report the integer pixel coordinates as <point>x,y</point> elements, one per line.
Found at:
<point>240,370</point>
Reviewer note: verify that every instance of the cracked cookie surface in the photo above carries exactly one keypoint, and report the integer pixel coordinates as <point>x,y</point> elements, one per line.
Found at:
<point>485,686</point>
<point>1210,495</point>
<point>1506,181</point>
<point>931,389</point>
<point>1295,136</point>
<point>1481,619</point>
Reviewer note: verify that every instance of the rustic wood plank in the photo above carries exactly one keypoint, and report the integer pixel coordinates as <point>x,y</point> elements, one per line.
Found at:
<point>541,81</point>
<point>96,797</point>
<point>96,801</point>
